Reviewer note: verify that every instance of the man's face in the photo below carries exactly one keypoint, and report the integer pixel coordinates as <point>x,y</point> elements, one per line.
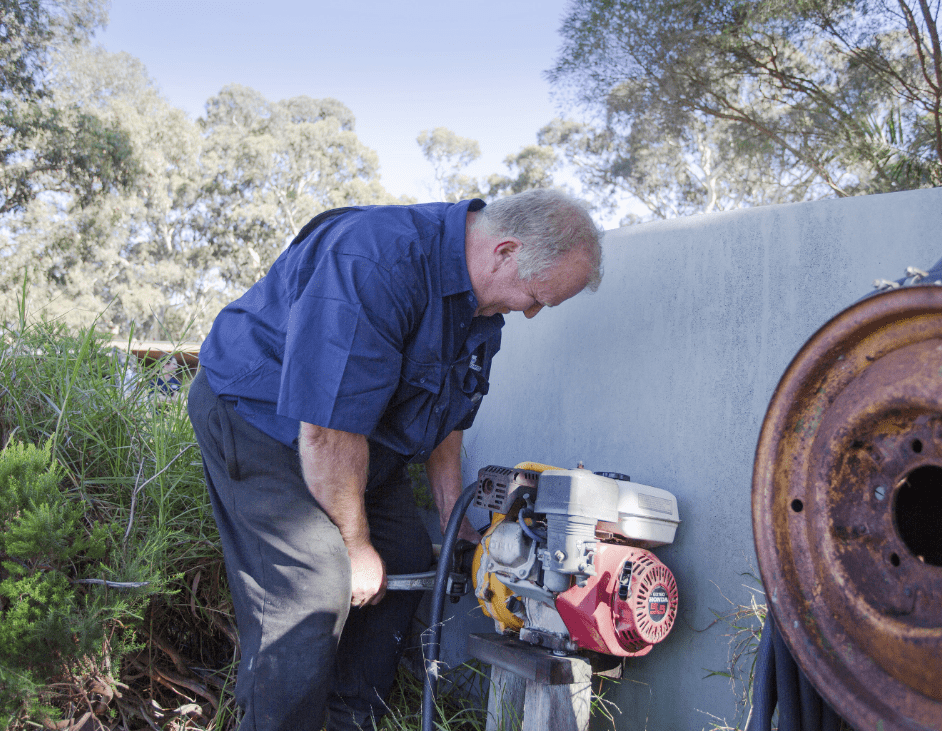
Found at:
<point>508,293</point>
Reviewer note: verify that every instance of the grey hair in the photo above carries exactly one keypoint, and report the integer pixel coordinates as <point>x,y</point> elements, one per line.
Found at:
<point>548,224</point>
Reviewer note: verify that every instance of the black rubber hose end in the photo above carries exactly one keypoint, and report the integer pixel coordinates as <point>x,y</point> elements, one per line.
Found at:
<point>431,638</point>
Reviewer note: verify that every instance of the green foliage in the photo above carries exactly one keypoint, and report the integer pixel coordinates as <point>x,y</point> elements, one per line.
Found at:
<point>128,211</point>
<point>105,522</point>
<point>133,257</point>
<point>458,706</point>
<point>268,167</point>
<point>421,490</point>
<point>47,619</point>
<point>29,29</point>
<point>736,103</point>
<point>25,34</point>
<point>449,154</point>
<point>47,145</point>
<point>532,167</point>
<point>462,701</point>
<point>20,696</point>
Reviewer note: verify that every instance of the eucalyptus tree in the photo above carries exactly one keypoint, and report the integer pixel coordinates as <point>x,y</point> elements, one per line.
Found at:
<point>703,168</point>
<point>47,144</point>
<point>533,166</point>
<point>133,257</point>
<point>213,205</point>
<point>449,154</point>
<point>732,102</point>
<point>268,168</point>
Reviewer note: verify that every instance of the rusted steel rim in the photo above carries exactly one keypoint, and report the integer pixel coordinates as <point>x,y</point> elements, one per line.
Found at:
<point>847,510</point>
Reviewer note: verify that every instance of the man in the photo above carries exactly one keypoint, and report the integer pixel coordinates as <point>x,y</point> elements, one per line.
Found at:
<point>367,346</point>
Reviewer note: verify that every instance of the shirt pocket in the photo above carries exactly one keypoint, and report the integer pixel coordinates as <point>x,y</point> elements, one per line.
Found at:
<point>421,376</point>
<point>419,390</point>
<point>411,421</point>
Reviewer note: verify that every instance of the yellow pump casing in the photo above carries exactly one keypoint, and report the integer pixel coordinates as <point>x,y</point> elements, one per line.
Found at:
<point>491,592</point>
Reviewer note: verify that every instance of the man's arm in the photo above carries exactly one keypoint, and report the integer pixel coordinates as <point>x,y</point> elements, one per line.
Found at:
<point>335,464</point>
<point>444,475</point>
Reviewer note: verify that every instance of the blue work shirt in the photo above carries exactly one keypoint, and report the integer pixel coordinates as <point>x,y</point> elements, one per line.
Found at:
<point>363,324</point>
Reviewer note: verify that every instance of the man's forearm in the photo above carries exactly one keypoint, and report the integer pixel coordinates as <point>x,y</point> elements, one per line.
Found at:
<point>335,466</point>
<point>444,475</point>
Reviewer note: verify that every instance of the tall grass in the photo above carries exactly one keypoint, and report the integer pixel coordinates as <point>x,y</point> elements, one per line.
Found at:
<point>149,587</point>
<point>743,624</point>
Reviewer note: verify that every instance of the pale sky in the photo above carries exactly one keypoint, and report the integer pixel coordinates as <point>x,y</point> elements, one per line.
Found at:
<point>476,68</point>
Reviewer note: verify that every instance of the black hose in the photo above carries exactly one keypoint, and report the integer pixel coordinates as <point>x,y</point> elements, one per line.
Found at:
<point>432,637</point>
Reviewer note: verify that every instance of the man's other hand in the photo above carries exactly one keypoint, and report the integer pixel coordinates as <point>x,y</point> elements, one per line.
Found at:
<point>467,532</point>
<point>367,576</point>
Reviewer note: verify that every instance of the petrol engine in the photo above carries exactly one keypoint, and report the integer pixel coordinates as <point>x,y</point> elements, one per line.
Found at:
<point>566,561</point>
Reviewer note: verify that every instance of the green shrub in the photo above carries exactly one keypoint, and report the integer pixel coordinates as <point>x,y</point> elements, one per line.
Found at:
<point>49,618</point>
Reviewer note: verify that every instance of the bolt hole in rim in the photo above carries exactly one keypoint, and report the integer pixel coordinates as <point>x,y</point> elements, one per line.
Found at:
<point>854,579</point>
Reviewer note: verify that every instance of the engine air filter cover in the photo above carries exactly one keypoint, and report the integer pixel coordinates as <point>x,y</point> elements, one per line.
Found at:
<point>626,608</point>
<point>847,504</point>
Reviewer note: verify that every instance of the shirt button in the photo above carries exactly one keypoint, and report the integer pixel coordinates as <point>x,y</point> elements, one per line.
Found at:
<point>462,325</point>
<point>422,379</point>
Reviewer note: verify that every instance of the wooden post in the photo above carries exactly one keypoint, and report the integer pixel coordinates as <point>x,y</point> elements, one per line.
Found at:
<point>505,700</point>
<point>563,707</point>
<point>531,688</point>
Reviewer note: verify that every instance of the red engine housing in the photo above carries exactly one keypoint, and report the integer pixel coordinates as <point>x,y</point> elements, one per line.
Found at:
<point>626,608</point>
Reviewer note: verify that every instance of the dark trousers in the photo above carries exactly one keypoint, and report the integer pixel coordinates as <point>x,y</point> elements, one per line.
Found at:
<point>307,657</point>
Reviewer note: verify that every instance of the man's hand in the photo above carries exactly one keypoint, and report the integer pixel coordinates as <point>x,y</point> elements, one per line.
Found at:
<point>467,532</point>
<point>367,576</point>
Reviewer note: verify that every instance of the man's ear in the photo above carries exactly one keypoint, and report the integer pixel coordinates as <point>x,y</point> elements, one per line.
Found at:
<point>505,251</point>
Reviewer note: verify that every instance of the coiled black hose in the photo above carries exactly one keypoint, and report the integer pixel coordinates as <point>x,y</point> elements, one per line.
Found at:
<point>431,642</point>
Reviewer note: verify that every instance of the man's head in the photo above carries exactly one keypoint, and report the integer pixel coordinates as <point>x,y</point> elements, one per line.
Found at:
<point>532,250</point>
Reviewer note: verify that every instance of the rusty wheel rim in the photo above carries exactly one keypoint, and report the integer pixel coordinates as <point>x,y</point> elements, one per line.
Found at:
<point>847,510</point>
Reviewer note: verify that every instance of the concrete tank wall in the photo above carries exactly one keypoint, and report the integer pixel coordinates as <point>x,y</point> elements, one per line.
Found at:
<point>665,374</point>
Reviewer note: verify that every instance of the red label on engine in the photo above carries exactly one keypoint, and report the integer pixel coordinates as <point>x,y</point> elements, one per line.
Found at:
<point>658,603</point>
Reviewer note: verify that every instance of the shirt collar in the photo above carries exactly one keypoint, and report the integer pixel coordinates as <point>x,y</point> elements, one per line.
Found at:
<point>454,275</point>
